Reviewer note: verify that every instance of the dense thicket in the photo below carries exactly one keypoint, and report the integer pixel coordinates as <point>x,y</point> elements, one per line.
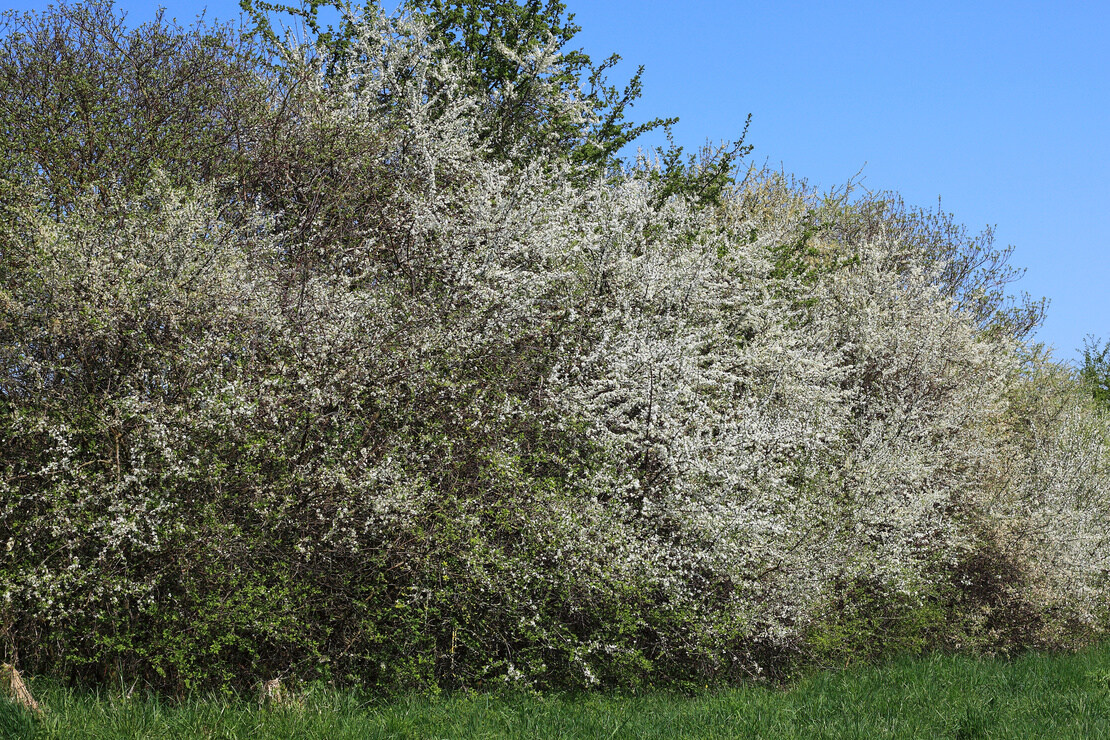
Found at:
<point>314,366</point>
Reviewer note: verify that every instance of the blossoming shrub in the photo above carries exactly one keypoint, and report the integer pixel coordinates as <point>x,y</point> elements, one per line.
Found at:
<point>389,409</point>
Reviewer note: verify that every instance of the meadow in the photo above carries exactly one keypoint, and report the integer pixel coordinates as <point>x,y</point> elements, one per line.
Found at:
<point>1035,695</point>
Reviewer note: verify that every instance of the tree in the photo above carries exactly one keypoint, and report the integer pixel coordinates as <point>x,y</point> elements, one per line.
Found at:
<point>1095,372</point>
<point>87,104</point>
<point>969,269</point>
<point>519,70</point>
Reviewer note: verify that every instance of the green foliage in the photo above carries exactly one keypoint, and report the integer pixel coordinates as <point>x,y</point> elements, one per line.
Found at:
<point>866,622</point>
<point>515,55</point>
<point>705,177</point>
<point>1095,372</point>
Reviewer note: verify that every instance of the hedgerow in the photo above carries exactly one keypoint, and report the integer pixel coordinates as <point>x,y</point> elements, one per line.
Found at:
<point>362,383</point>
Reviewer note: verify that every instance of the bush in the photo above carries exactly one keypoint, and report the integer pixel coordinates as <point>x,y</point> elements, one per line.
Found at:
<point>361,399</point>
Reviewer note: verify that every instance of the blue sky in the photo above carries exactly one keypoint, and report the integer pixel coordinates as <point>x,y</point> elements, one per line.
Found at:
<point>1000,108</point>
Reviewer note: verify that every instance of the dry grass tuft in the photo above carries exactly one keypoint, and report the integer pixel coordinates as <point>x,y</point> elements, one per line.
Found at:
<point>12,686</point>
<point>274,694</point>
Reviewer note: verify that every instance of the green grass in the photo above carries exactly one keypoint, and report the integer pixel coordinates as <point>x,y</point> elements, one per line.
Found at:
<point>1035,695</point>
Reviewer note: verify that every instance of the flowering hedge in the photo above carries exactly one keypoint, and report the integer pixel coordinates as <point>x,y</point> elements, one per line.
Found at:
<point>370,401</point>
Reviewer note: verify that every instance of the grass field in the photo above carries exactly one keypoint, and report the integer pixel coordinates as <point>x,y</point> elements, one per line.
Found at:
<point>1033,696</point>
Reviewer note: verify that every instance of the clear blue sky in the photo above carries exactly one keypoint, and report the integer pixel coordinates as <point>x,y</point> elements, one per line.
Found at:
<point>1000,108</point>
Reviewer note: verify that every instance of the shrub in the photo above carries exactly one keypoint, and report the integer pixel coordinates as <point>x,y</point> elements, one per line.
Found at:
<point>366,401</point>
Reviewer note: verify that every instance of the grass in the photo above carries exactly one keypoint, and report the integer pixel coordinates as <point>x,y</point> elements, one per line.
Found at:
<point>1036,695</point>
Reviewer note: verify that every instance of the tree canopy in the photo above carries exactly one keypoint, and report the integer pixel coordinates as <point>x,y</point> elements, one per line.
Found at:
<point>1095,371</point>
